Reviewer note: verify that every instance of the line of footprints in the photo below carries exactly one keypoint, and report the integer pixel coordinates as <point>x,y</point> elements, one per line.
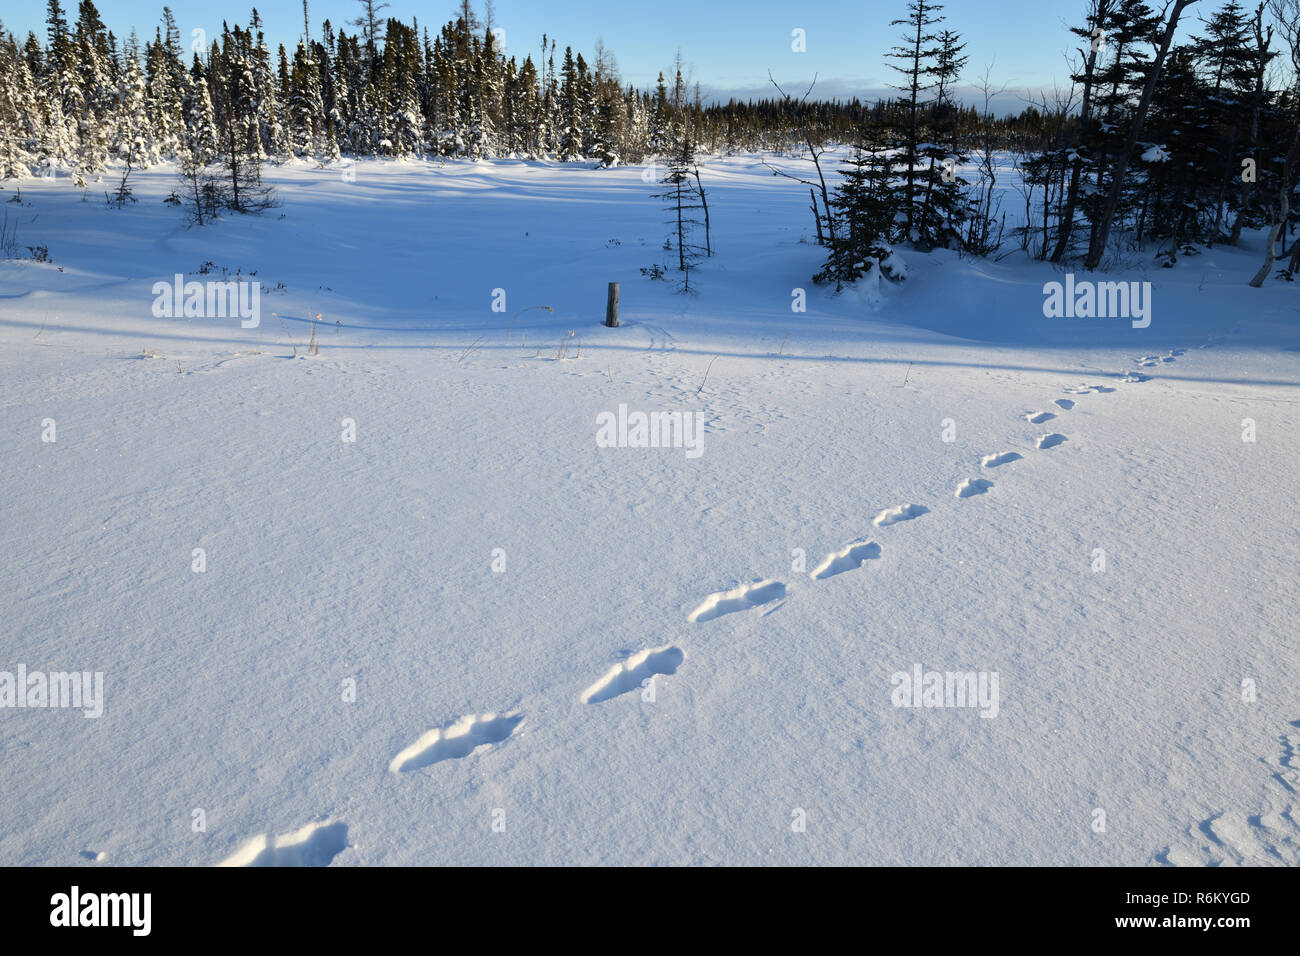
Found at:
<point>318,843</point>
<point>858,553</point>
<point>855,555</point>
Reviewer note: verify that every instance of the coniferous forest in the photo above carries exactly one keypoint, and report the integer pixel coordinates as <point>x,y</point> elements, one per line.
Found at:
<point>1172,144</point>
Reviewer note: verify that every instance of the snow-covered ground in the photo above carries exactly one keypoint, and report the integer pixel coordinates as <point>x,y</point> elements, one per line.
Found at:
<point>497,586</point>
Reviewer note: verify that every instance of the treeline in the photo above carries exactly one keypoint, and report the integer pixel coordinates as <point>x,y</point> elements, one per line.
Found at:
<point>84,98</point>
<point>1178,144</point>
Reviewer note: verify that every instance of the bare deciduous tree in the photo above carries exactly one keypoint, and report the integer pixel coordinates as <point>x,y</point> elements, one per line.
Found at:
<point>814,149</point>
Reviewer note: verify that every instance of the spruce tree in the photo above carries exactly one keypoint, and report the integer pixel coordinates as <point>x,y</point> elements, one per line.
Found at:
<point>943,208</point>
<point>915,54</point>
<point>1227,60</point>
<point>682,198</point>
<point>570,141</point>
<point>239,132</point>
<point>198,148</point>
<point>130,138</point>
<point>18,111</point>
<point>864,207</point>
<point>306,106</point>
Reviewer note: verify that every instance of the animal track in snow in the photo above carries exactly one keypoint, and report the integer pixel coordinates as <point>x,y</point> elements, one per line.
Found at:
<point>1288,773</point>
<point>973,486</point>
<point>1065,403</point>
<point>316,844</point>
<point>1268,838</point>
<point>901,513</point>
<point>1087,389</point>
<point>1149,361</point>
<point>458,739</point>
<point>1039,417</point>
<point>853,556</point>
<point>628,675</point>
<point>1051,441</point>
<point>737,599</point>
<point>1006,457</point>
<point>1131,377</point>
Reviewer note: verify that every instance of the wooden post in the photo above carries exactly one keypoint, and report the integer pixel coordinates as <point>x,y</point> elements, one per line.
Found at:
<point>611,306</point>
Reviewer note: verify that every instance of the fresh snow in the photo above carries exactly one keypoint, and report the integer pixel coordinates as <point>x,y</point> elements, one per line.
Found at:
<point>572,654</point>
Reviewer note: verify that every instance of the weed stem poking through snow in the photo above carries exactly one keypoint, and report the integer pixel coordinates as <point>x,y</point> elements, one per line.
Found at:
<point>706,374</point>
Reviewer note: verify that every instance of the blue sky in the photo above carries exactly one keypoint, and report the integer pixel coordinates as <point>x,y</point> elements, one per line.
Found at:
<point>730,44</point>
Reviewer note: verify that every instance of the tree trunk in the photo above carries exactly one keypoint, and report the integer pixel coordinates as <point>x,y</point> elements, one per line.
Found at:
<point>681,247</point>
<point>1262,40</point>
<point>1076,168</point>
<point>826,199</point>
<point>708,243</point>
<point>912,115</point>
<point>1270,247</point>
